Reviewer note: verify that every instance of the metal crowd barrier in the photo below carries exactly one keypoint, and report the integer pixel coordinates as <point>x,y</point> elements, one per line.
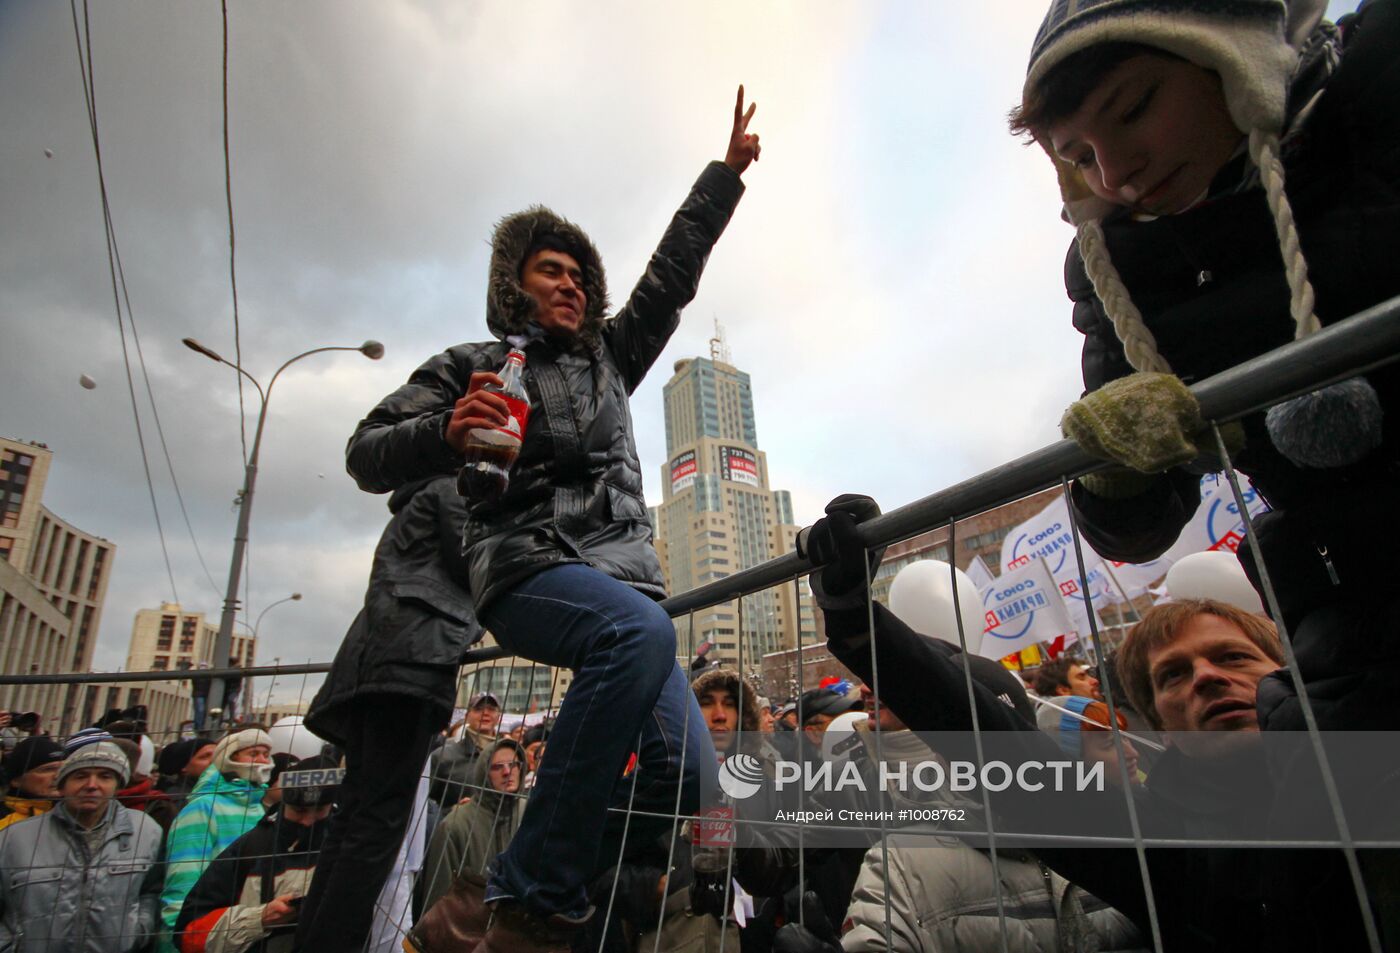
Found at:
<point>1352,347</point>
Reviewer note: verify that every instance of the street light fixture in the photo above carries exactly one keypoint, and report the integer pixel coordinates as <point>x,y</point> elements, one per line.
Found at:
<point>277,660</point>
<point>294,597</point>
<point>370,349</point>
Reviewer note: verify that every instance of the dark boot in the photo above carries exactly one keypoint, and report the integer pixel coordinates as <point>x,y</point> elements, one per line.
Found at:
<point>516,930</point>
<point>456,922</point>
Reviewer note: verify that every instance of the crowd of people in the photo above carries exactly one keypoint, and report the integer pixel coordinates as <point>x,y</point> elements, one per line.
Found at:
<point>202,846</point>
<point>1231,173</point>
<point>108,843</point>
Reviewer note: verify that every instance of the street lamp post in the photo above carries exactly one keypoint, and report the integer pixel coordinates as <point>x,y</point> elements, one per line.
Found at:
<point>256,627</point>
<point>370,349</point>
<point>276,661</point>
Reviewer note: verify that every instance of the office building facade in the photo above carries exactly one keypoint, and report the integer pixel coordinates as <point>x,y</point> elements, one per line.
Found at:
<point>719,515</point>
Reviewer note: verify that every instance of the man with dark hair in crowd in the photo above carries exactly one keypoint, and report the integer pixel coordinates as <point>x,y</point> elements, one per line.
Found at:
<point>282,761</point>
<point>247,899</point>
<point>560,567</point>
<point>31,773</point>
<point>87,874</point>
<point>180,764</point>
<point>1058,679</point>
<point>821,706</point>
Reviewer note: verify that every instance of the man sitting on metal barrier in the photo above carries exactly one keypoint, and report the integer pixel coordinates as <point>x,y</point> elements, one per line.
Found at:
<point>560,568</point>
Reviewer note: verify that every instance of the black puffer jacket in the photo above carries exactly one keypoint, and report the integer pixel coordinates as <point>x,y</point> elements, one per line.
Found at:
<point>575,493</point>
<point>417,619</point>
<point>1207,899</point>
<point>1210,285</point>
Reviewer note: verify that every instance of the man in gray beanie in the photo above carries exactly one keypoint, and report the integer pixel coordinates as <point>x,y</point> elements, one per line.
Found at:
<point>102,890</point>
<point>559,567</point>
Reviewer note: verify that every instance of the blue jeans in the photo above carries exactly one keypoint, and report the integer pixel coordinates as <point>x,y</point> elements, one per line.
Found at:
<point>621,647</point>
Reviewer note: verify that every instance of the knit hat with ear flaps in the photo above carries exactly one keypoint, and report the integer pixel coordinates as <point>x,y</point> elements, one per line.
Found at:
<point>1245,42</point>
<point>509,309</point>
<point>1250,44</point>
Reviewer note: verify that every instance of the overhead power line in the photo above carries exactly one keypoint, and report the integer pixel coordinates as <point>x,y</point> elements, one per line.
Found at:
<point>121,294</point>
<point>232,254</point>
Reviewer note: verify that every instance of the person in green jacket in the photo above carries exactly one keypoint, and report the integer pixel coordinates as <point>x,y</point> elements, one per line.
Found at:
<point>225,804</point>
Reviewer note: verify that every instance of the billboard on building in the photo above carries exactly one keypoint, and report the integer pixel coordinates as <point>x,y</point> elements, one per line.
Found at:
<point>682,471</point>
<point>738,465</point>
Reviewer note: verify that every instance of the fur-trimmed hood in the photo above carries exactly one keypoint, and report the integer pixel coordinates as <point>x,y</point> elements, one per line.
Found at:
<point>509,310</point>
<point>728,680</point>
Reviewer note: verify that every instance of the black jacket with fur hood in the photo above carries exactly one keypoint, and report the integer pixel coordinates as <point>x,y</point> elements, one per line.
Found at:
<point>575,493</point>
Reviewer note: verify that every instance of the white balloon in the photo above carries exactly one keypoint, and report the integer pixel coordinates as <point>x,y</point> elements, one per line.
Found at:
<point>289,735</point>
<point>840,734</point>
<point>1213,575</point>
<point>922,595</point>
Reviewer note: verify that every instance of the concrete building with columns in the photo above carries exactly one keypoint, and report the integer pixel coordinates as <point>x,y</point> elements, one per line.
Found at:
<point>53,582</point>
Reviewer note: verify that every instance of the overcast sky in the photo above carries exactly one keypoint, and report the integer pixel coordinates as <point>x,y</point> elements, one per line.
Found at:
<point>891,280</point>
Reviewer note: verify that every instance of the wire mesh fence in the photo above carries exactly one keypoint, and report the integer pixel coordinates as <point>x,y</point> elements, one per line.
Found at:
<point>856,833</point>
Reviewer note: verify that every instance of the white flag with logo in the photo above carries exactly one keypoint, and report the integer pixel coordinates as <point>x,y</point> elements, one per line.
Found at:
<point>1046,536</point>
<point>1217,523</point>
<point>1022,607</point>
<point>980,575</point>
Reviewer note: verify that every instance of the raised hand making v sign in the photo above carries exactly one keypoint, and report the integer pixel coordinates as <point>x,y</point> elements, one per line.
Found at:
<point>743,148</point>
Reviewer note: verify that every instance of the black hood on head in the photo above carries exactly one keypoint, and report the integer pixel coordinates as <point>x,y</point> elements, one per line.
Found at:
<point>508,308</point>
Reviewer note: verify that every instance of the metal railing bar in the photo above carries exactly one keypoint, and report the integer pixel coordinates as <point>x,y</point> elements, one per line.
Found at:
<point>987,812</point>
<point>1154,923</point>
<point>1342,350</point>
<point>177,675</point>
<point>1329,782</point>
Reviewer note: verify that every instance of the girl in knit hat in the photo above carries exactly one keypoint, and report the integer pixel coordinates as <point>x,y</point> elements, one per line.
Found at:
<point>1233,175</point>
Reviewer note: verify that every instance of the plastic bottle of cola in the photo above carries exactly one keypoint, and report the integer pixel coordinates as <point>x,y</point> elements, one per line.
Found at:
<point>490,452</point>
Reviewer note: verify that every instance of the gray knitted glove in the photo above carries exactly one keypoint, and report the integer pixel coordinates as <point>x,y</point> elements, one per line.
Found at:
<point>1144,421</point>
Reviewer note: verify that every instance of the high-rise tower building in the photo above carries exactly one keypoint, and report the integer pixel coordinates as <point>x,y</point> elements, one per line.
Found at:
<point>718,514</point>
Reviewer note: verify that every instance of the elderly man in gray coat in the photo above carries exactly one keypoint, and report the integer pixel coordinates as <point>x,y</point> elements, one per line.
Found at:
<point>86,876</point>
